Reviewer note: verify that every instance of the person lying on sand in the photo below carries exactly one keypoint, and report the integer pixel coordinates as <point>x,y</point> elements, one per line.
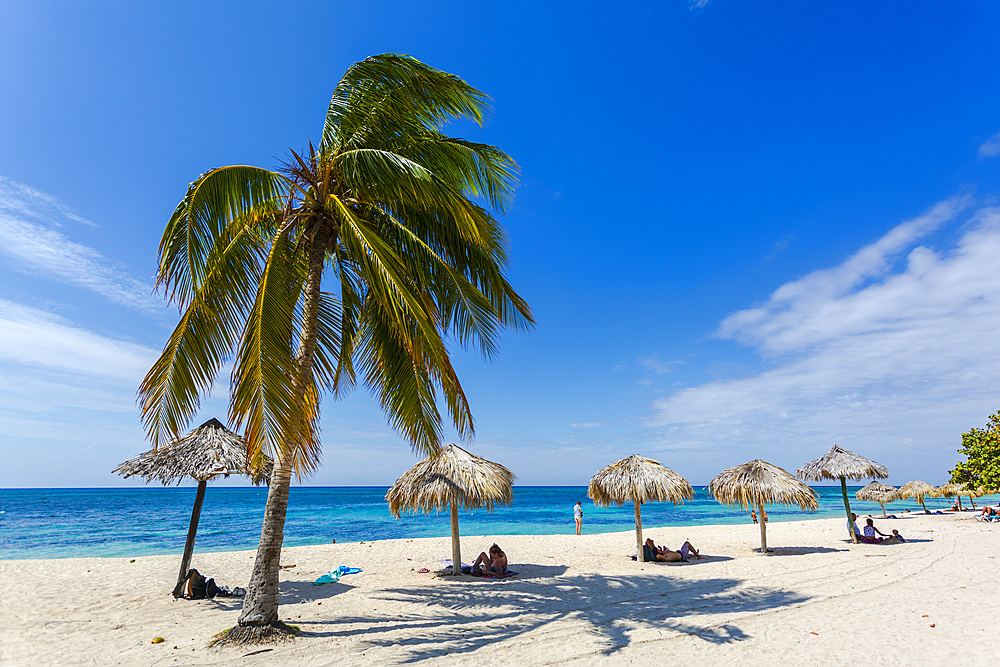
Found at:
<point>870,531</point>
<point>665,555</point>
<point>990,511</point>
<point>496,561</point>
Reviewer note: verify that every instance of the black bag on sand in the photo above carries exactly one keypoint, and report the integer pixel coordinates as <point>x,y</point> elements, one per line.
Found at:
<point>197,586</point>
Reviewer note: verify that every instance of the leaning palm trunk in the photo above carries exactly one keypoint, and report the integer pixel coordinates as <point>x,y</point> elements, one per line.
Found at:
<point>260,608</point>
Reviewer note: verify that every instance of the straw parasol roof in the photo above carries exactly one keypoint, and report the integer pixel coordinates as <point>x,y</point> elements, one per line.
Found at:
<point>879,493</point>
<point>638,480</point>
<point>919,490</point>
<point>950,490</point>
<point>451,477</point>
<point>839,462</point>
<point>760,483</point>
<point>208,451</point>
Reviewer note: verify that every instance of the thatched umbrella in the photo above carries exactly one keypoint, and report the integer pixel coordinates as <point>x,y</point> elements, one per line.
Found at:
<point>919,490</point>
<point>879,493</point>
<point>760,483</point>
<point>638,480</point>
<point>207,452</point>
<point>452,477</point>
<point>952,491</point>
<point>841,464</point>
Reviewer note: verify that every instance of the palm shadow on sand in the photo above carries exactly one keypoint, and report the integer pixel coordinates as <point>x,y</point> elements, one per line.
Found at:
<point>456,617</point>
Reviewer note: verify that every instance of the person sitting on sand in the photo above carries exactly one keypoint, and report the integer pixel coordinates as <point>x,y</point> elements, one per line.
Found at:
<point>896,536</point>
<point>852,525</point>
<point>496,561</point>
<point>664,555</point>
<point>870,531</point>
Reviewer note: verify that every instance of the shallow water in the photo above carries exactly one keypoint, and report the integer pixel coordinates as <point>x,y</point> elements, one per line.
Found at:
<point>61,523</point>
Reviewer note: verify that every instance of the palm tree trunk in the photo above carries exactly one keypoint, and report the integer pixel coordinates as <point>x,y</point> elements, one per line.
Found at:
<point>192,531</point>
<point>847,506</point>
<point>259,619</point>
<point>638,532</point>
<point>260,608</point>
<point>456,543</point>
<point>763,528</point>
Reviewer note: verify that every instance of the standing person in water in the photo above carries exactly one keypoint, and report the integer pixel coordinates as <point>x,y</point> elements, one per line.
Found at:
<point>578,516</point>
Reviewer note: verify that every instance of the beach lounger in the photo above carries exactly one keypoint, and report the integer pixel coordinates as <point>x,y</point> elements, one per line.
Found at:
<point>989,518</point>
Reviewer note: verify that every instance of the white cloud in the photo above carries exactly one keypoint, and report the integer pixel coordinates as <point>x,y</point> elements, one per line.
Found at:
<point>991,147</point>
<point>31,246</point>
<point>26,202</point>
<point>586,424</point>
<point>658,366</point>
<point>895,363</point>
<point>37,339</point>
<point>696,4</point>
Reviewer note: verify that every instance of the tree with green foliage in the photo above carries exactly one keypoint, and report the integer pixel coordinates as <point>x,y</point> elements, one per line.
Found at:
<point>394,218</point>
<point>982,465</point>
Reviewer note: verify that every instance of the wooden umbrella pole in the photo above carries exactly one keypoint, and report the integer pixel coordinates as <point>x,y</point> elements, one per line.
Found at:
<point>456,545</point>
<point>847,506</point>
<point>883,510</point>
<point>959,498</point>
<point>973,502</point>
<point>926,511</point>
<point>638,532</point>
<point>192,531</point>
<point>763,528</point>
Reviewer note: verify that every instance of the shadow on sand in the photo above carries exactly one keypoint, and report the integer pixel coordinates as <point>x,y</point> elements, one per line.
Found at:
<point>462,616</point>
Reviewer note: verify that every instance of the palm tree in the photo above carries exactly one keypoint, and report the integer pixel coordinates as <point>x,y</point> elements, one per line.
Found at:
<point>385,208</point>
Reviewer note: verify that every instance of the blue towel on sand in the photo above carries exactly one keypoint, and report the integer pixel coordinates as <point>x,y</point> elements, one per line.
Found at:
<point>333,576</point>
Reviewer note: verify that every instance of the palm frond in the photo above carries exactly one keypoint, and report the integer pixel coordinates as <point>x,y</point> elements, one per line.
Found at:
<point>209,328</point>
<point>386,95</point>
<point>212,203</point>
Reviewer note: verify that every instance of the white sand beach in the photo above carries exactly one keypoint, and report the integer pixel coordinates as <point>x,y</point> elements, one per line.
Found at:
<point>818,600</point>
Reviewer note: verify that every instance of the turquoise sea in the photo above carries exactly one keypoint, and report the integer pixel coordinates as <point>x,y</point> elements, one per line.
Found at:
<point>64,523</point>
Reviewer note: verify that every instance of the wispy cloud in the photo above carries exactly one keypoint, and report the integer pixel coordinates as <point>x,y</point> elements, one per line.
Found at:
<point>31,337</point>
<point>991,147</point>
<point>658,366</point>
<point>32,246</point>
<point>587,424</point>
<point>895,362</point>
<point>697,4</point>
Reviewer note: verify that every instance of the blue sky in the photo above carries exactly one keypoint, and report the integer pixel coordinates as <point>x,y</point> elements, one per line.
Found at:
<point>746,229</point>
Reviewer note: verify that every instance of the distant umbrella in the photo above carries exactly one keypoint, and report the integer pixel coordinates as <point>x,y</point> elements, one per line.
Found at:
<point>760,483</point>
<point>451,478</point>
<point>879,493</point>
<point>206,452</point>
<point>841,464</point>
<point>638,480</point>
<point>919,490</point>
<point>952,491</point>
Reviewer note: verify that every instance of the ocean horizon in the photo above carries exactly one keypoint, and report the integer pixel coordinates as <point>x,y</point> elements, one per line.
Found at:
<point>140,521</point>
